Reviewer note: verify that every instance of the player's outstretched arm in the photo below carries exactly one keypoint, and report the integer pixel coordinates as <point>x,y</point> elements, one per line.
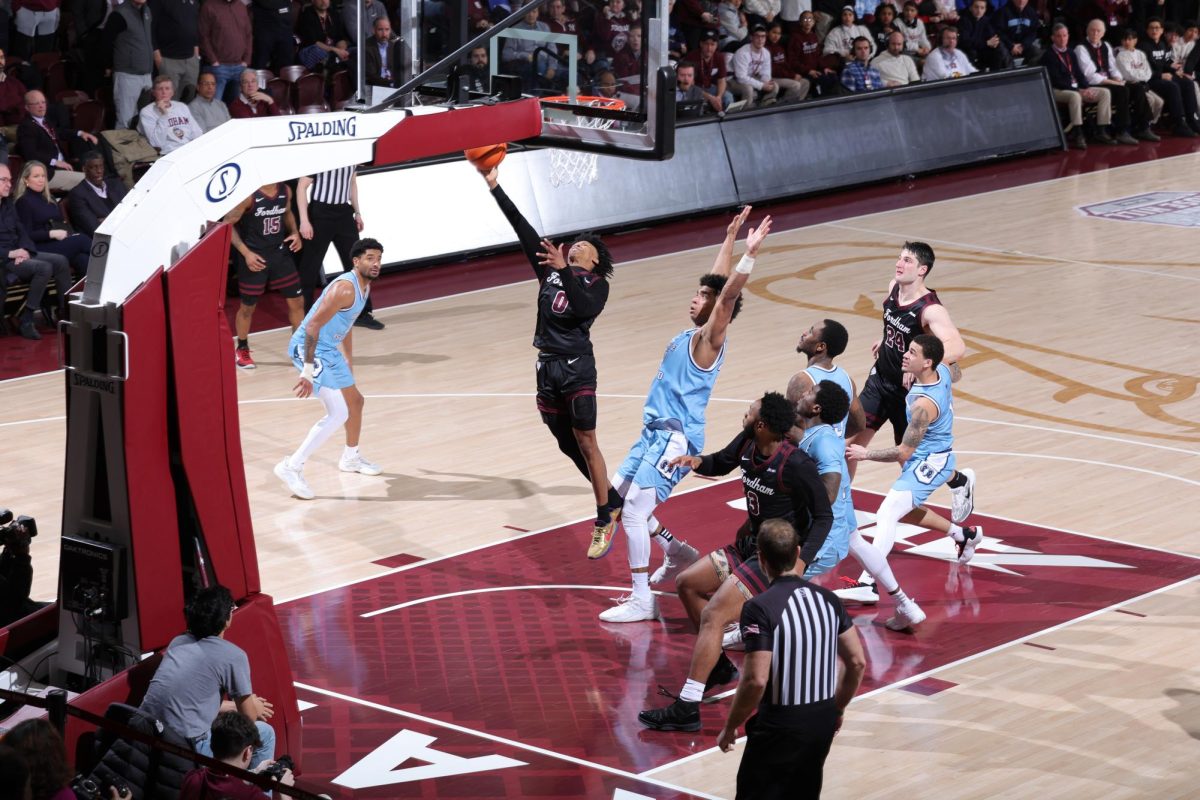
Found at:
<point>723,264</point>
<point>712,336</point>
<point>937,321</point>
<point>531,243</point>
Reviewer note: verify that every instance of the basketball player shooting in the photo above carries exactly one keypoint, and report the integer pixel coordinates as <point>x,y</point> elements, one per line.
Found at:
<point>572,291</point>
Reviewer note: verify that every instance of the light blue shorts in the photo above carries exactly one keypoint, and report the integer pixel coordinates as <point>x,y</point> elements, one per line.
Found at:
<point>646,464</point>
<point>923,474</point>
<point>330,370</point>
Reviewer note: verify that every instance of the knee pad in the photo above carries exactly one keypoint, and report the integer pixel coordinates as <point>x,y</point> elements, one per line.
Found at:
<point>250,300</point>
<point>583,412</point>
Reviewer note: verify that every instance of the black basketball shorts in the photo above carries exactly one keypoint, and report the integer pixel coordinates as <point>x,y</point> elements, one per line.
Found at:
<point>567,385</point>
<point>279,276</point>
<point>883,401</point>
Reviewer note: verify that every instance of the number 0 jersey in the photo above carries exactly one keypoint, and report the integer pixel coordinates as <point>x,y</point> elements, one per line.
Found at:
<point>901,324</point>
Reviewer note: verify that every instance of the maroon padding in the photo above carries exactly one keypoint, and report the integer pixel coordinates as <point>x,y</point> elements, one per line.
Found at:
<point>256,630</point>
<point>459,129</point>
<point>154,529</point>
<point>28,633</point>
<point>210,440</point>
<point>126,687</point>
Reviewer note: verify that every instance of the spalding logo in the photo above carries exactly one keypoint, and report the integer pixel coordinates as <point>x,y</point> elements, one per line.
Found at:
<point>223,182</point>
<point>99,249</point>
<point>311,130</point>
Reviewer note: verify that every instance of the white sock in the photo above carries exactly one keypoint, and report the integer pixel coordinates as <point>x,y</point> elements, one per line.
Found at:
<point>669,544</point>
<point>899,596</point>
<point>956,532</point>
<point>350,452</point>
<point>336,414</point>
<point>692,692</point>
<point>641,587</point>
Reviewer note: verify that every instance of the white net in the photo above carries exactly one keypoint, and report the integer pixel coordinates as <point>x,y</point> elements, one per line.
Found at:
<point>574,167</point>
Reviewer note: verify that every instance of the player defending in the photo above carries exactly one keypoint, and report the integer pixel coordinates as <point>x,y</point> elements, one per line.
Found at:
<point>572,291</point>
<point>673,417</point>
<point>911,309</point>
<point>927,455</point>
<point>264,232</point>
<point>326,371</point>
<point>781,483</point>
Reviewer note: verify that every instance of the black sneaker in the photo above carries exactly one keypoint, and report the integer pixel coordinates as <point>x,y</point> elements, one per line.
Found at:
<point>679,716</point>
<point>724,672</point>
<point>367,320</point>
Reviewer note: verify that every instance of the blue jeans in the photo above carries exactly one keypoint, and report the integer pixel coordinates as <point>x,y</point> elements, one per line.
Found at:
<point>226,74</point>
<point>266,735</point>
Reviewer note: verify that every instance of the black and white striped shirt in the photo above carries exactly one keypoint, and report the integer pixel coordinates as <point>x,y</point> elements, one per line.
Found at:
<point>332,187</point>
<point>798,623</point>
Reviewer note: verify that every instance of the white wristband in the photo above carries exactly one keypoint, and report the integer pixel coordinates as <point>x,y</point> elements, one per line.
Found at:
<point>746,265</point>
<point>306,374</point>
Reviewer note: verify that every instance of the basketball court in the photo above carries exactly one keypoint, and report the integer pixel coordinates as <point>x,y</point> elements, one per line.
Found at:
<point>440,618</point>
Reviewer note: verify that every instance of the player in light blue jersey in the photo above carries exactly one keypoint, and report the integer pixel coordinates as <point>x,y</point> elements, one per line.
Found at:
<point>673,420</point>
<point>321,350</point>
<point>927,453</point>
<point>821,344</point>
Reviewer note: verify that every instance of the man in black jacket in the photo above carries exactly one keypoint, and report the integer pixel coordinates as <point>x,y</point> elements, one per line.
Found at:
<point>1161,58</point>
<point>95,197</point>
<point>1071,89</point>
<point>175,28</point>
<point>274,47</point>
<point>20,261</point>
<point>382,55</point>
<point>980,40</point>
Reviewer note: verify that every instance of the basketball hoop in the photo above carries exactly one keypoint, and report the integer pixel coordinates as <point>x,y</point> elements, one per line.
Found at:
<point>574,166</point>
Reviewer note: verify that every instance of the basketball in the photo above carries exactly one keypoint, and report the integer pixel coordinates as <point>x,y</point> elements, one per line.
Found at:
<point>485,159</point>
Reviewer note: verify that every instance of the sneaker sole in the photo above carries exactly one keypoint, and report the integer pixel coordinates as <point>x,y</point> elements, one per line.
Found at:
<point>690,727</point>
<point>246,366</point>
<point>852,598</point>
<point>612,535</point>
<point>279,473</point>
<point>361,471</point>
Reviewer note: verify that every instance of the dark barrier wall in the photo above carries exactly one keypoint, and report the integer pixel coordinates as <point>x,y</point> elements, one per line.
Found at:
<point>435,210</point>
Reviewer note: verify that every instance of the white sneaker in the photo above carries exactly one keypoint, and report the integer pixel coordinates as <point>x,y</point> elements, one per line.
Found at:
<point>732,640</point>
<point>294,480</point>
<point>673,565</point>
<point>966,548</point>
<point>858,592</point>
<point>630,609</point>
<point>360,465</point>
<point>908,615</point>
<point>962,499</point>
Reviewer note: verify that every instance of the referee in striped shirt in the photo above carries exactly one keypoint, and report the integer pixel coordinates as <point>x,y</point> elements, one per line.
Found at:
<point>795,632</point>
<point>330,215</point>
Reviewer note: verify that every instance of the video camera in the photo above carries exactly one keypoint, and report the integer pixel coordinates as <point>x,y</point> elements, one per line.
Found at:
<point>18,532</point>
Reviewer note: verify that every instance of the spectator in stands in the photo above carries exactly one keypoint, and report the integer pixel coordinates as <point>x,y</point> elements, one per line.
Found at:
<point>383,57</point>
<point>939,11</point>
<point>44,135</point>
<point>226,41</point>
<point>559,21</point>
<point>1130,109</point>
<point>689,100</point>
<point>752,69</point>
<point>882,26</point>
<point>627,63</point>
<point>129,39</point>
<point>980,40</point>
<point>42,748</point>
<point>1135,69</point>
<point>761,12</point>
<point>175,25</point>
<point>896,67</point>
<point>323,38</point>
<point>36,22</point>
<point>612,28</point>
<point>947,61</point>
<point>712,75</point>
<point>167,123</point>
<point>96,196</point>
<point>693,19</point>
<point>478,16</point>
<point>43,220</point>
<point>197,667</point>
<point>251,101</point>
<point>14,774</point>
<point>916,43</point>
<point>1071,90</point>
<point>274,43</point>
<point>208,111</point>
<point>1162,65</point>
<point>372,10</point>
<point>840,40</point>
<point>858,74</point>
<point>789,13</point>
<point>234,740</point>
<point>606,84</point>
<point>12,97</point>
<point>1017,24</point>
<point>734,25</point>
<point>804,52</point>
<point>477,75</point>
<point>786,74</point>
<point>527,58</point>
<point>21,261</point>
<point>1116,13</point>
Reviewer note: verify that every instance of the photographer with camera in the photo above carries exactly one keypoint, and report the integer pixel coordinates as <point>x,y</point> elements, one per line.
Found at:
<point>234,740</point>
<point>16,568</point>
<point>50,776</point>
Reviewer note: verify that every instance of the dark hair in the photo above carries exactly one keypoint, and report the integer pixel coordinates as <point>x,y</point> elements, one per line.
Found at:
<point>208,611</point>
<point>776,413</point>
<point>1190,23</point>
<point>834,402</point>
<point>42,748</point>
<point>1154,19</point>
<point>604,265</point>
<point>949,29</point>
<point>931,347</point>
<point>233,732</point>
<point>922,252</point>
<point>835,337</point>
<point>858,39</point>
<point>717,283</point>
<point>14,772</point>
<point>778,545</point>
<point>1173,27</point>
<point>363,245</point>
<point>1128,33</point>
<point>92,155</point>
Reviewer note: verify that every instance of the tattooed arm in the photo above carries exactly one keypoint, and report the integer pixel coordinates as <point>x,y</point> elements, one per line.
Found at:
<point>924,412</point>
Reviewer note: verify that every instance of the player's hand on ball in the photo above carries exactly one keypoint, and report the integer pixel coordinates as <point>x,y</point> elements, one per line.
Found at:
<point>856,452</point>
<point>727,738</point>
<point>492,176</point>
<point>303,388</point>
<point>552,256</point>
<point>691,462</point>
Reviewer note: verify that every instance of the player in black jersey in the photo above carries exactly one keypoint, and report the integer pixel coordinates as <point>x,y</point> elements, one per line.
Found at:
<point>572,291</point>
<point>780,482</point>
<point>264,232</point>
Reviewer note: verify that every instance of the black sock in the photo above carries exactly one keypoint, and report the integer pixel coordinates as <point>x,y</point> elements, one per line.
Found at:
<point>958,481</point>
<point>243,344</point>
<point>614,499</point>
<point>602,515</point>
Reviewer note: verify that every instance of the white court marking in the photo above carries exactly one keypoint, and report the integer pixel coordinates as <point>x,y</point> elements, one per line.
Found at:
<point>490,589</point>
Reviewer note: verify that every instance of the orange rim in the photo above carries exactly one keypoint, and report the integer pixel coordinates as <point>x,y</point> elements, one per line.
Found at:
<point>610,103</point>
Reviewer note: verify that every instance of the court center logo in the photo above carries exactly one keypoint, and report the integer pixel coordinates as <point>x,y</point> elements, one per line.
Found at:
<point>223,181</point>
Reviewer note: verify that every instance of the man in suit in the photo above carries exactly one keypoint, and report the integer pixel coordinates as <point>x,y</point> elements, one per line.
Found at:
<point>383,55</point>
<point>95,197</point>
<point>44,135</point>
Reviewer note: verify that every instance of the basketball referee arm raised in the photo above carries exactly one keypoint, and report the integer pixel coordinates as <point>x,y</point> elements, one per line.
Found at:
<point>531,243</point>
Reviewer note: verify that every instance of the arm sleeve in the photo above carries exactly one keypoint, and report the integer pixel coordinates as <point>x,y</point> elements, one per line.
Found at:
<point>756,628</point>
<point>586,300</point>
<point>530,241</point>
<point>723,461</point>
<point>809,498</point>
